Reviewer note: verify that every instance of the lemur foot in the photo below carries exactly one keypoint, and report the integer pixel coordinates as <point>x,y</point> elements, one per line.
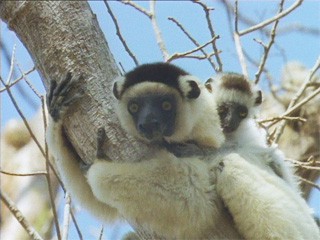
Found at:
<point>59,97</point>
<point>101,138</point>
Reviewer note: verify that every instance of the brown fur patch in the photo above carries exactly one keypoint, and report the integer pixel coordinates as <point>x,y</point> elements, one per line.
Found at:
<point>236,82</point>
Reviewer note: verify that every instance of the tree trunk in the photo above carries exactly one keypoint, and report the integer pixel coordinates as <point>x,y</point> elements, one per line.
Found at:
<point>65,36</point>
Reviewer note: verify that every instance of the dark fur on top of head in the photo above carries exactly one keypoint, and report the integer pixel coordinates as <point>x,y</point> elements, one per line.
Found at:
<point>237,82</point>
<point>165,73</point>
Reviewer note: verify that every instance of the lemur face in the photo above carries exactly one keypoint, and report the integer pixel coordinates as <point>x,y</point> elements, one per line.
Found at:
<point>231,114</point>
<point>154,115</point>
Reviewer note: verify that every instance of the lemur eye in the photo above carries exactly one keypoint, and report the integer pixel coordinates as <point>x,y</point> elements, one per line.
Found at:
<point>222,110</point>
<point>166,105</point>
<point>133,108</point>
<point>243,114</point>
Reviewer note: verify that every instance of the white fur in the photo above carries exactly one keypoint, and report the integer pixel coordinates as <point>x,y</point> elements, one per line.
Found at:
<point>173,197</point>
<point>184,83</point>
<point>263,206</point>
<point>71,175</point>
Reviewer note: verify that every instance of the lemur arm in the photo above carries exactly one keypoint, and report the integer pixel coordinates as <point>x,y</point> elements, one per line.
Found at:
<point>173,197</point>
<point>66,160</point>
<point>263,205</point>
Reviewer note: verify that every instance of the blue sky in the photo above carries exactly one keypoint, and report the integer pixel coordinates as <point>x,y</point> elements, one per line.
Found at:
<point>138,32</point>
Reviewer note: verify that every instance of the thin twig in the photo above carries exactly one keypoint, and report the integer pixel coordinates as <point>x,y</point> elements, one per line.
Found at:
<point>273,19</point>
<point>310,182</point>
<point>177,55</point>
<point>101,233</point>
<point>137,7</point>
<point>157,31</point>
<point>19,216</point>
<point>23,118</point>
<point>28,82</point>
<point>277,119</point>
<point>193,41</point>
<point>76,225</point>
<point>238,45</point>
<point>66,217</point>
<point>268,47</point>
<point>118,32</point>
<point>24,174</point>
<point>11,65</point>
<point>294,100</point>
<point>18,79</point>
<point>207,11</point>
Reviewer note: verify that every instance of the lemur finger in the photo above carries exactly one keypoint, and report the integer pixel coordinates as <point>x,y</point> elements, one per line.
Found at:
<point>101,138</point>
<point>63,85</point>
<point>53,85</point>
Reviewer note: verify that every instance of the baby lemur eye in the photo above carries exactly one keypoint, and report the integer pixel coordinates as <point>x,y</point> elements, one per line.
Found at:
<point>222,110</point>
<point>133,107</point>
<point>166,105</point>
<point>243,114</point>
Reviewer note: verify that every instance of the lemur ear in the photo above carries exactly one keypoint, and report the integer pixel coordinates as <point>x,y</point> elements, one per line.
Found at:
<point>258,99</point>
<point>189,86</point>
<point>118,86</point>
<point>208,85</point>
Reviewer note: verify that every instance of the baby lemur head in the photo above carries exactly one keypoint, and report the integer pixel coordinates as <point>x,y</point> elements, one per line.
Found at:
<point>236,98</point>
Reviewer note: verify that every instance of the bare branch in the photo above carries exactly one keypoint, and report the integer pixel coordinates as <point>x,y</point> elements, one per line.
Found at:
<point>157,31</point>
<point>24,174</point>
<point>185,54</point>
<point>66,217</point>
<point>18,79</point>
<point>291,106</point>
<point>137,7</point>
<point>192,40</point>
<point>277,119</point>
<point>28,82</point>
<point>11,65</point>
<point>119,34</point>
<point>207,11</point>
<point>22,117</point>
<point>311,183</point>
<point>76,225</point>
<point>238,45</point>
<point>273,19</point>
<point>268,47</point>
<point>19,216</point>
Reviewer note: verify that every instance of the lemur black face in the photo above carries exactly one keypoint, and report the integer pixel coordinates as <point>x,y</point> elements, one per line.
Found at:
<point>231,114</point>
<point>154,115</point>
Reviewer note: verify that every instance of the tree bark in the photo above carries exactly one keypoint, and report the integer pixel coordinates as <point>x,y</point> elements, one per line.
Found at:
<point>65,36</point>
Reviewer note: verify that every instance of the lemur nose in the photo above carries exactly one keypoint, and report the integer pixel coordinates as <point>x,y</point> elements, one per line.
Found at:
<point>150,126</point>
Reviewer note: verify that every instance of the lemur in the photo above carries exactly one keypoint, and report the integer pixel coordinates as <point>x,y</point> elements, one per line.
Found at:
<point>238,101</point>
<point>255,183</point>
<point>174,197</point>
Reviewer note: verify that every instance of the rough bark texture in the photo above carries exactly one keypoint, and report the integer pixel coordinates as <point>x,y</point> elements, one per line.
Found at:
<point>65,36</point>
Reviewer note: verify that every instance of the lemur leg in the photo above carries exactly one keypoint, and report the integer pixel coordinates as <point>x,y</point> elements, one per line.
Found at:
<point>263,206</point>
<point>59,101</point>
